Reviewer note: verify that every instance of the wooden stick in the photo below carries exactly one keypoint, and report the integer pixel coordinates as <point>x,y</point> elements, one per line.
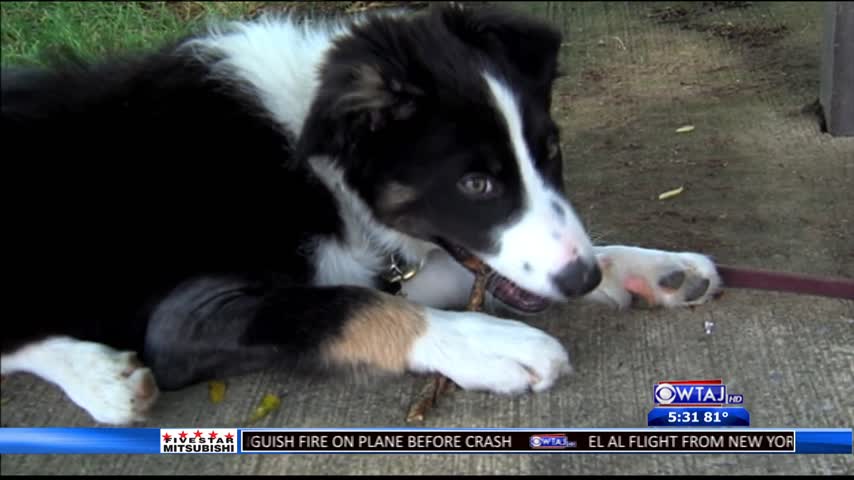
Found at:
<point>428,397</point>
<point>441,384</point>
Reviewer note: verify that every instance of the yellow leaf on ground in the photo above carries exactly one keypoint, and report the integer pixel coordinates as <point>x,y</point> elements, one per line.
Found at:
<point>685,129</point>
<point>268,404</point>
<point>216,389</point>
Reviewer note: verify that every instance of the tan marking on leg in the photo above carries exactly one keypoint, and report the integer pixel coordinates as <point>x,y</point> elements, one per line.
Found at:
<point>379,334</point>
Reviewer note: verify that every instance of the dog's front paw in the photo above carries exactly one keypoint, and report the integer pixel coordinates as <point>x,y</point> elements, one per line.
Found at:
<point>114,387</point>
<point>657,277</point>
<point>481,352</point>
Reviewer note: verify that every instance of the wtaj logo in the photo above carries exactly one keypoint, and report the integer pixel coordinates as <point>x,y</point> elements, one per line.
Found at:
<point>694,393</point>
<point>200,440</point>
<point>550,440</point>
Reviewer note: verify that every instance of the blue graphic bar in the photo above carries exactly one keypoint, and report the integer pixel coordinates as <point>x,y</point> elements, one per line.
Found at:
<point>149,441</point>
<point>698,417</point>
<point>823,441</point>
<point>79,440</point>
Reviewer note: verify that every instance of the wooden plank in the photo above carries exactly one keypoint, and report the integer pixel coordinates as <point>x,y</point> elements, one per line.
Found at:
<point>837,69</point>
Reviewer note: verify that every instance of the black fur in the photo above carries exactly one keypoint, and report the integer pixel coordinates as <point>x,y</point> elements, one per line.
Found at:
<point>159,209</point>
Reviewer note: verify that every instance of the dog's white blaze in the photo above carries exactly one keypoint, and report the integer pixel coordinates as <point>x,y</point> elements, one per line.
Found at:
<point>540,239</point>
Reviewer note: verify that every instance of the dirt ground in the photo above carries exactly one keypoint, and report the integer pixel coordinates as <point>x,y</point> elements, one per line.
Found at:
<point>762,186</point>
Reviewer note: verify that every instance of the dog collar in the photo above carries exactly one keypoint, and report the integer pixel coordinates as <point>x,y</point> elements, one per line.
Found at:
<point>398,272</point>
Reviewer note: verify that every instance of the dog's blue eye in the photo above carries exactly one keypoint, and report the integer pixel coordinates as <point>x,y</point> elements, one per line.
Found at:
<point>477,185</point>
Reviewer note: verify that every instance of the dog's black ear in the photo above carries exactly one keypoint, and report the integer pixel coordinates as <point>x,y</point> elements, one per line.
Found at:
<point>374,100</point>
<point>357,99</point>
<point>527,43</point>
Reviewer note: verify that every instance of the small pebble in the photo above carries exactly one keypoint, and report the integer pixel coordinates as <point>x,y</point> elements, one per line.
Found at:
<point>709,327</point>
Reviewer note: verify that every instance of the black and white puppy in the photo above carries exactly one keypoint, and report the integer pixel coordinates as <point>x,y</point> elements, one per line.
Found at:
<point>237,200</point>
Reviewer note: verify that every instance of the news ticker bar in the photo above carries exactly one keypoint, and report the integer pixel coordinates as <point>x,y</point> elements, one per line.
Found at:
<point>421,440</point>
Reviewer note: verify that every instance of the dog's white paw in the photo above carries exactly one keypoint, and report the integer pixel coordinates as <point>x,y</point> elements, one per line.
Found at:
<point>115,388</point>
<point>112,386</point>
<point>481,352</point>
<point>660,278</point>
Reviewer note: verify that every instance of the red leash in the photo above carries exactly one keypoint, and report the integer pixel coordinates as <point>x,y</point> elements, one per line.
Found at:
<point>741,277</point>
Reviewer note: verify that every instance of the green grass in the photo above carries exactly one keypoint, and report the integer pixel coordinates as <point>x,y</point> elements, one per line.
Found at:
<point>29,30</point>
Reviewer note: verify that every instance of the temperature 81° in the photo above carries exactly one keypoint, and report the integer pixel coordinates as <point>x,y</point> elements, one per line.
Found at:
<point>715,417</point>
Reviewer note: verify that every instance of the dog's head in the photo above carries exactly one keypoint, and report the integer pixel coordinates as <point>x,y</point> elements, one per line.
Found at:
<point>441,123</point>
